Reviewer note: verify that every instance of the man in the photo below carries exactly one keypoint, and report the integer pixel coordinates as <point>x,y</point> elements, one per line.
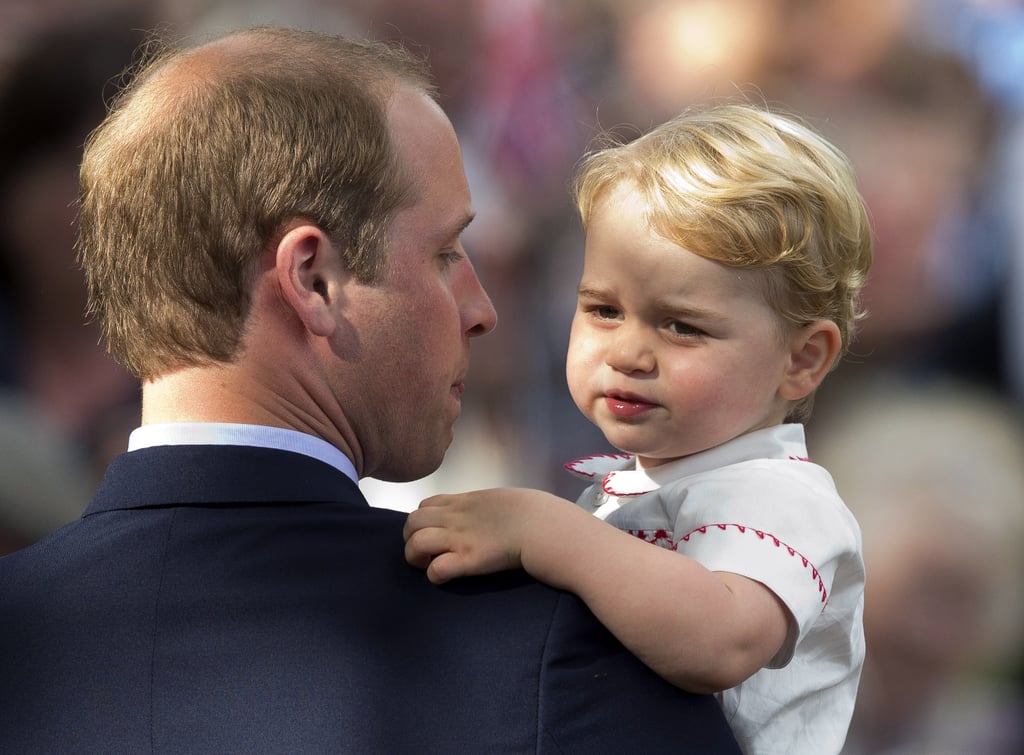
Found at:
<point>270,229</point>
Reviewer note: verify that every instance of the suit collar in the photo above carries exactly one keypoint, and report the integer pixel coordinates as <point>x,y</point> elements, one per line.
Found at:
<point>210,475</point>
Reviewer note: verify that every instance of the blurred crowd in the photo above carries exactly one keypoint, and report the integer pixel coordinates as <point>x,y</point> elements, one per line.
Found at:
<point>923,427</point>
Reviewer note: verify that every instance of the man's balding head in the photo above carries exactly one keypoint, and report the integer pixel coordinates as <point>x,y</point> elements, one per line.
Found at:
<point>206,155</point>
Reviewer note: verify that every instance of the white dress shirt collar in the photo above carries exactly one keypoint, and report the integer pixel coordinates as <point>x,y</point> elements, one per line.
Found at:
<point>224,434</point>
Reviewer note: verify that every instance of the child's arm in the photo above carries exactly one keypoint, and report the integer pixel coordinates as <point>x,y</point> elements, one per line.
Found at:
<point>703,631</point>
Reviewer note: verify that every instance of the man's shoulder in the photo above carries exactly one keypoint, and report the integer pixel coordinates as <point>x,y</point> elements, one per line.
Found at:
<point>221,619</point>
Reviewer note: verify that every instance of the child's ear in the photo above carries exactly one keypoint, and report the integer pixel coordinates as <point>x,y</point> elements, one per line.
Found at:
<point>307,269</point>
<point>814,348</point>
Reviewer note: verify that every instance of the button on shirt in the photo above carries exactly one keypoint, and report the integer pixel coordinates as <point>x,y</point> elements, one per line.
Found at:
<point>756,506</point>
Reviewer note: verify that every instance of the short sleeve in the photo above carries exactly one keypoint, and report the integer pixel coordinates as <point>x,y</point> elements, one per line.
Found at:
<point>780,523</point>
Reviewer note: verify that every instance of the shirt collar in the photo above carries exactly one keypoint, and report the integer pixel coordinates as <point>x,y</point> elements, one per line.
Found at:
<point>225,434</point>
<point>621,475</point>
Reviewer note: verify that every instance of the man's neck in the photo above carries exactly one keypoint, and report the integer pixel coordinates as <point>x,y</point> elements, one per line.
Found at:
<point>227,394</point>
<point>193,394</point>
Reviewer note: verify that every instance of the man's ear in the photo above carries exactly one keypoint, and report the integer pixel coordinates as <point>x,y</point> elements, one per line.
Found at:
<point>308,271</point>
<point>814,348</point>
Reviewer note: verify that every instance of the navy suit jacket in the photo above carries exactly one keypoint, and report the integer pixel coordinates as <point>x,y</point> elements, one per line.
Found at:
<point>234,599</point>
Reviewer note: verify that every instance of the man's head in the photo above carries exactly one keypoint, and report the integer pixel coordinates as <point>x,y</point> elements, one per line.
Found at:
<point>206,156</point>
<point>271,232</point>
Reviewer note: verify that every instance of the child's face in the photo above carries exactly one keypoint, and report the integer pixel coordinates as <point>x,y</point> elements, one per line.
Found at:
<point>670,353</point>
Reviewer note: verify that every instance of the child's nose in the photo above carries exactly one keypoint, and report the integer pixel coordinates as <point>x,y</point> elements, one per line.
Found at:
<point>630,351</point>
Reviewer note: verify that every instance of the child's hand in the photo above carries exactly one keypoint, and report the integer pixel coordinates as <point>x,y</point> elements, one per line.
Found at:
<point>470,533</point>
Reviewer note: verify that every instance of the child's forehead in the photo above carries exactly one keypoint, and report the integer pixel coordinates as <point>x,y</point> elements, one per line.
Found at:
<point>629,208</point>
<point>625,196</point>
<point>622,241</point>
<point>668,193</point>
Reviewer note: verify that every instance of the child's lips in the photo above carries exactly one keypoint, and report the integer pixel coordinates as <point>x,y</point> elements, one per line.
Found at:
<point>627,405</point>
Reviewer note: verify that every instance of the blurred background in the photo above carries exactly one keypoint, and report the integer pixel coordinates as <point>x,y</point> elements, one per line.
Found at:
<point>922,426</point>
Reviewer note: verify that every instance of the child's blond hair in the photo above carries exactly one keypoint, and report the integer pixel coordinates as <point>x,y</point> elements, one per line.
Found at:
<point>750,188</point>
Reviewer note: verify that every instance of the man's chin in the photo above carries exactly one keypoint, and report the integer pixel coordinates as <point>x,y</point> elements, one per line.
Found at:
<point>416,465</point>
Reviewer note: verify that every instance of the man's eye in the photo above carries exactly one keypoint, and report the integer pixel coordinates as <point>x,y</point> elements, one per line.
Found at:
<point>605,313</point>
<point>450,258</point>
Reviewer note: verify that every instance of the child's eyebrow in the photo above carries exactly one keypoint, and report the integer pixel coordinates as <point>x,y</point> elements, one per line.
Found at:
<point>683,307</point>
<point>687,312</point>
<point>587,292</point>
<point>671,307</point>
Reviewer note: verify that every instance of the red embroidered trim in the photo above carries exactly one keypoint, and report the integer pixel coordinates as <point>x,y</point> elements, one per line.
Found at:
<point>799,458</point>
<point>663,539</point>
<point>571,466</point>
<point>607,487</point>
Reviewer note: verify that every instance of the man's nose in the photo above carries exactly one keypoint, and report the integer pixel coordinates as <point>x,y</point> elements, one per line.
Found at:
<point>479,314</point>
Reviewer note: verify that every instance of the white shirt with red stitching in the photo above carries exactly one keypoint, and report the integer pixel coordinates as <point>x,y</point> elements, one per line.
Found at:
<point>758,507</point>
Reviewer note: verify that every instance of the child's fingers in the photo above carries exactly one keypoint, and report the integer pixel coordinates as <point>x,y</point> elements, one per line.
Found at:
<point>435,501</point>
<point>444,567</point>
<point>421,519</point>
<point>425,544</point>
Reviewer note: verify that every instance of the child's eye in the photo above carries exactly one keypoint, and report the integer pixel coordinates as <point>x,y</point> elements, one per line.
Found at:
<point>679,328</point>
<point>605,312</point>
